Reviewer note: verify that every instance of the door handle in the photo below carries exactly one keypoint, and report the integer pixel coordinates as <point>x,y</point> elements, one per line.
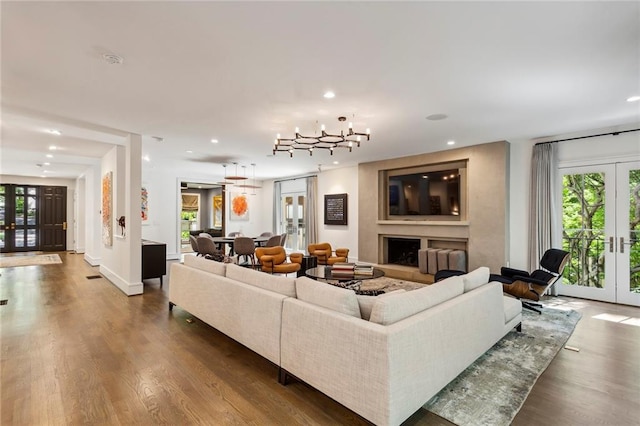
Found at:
<point>621,244</point>
<point>611,244</point>
<point>64,226</point>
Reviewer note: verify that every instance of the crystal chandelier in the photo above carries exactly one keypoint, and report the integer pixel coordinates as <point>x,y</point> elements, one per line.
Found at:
<point>323,141</point>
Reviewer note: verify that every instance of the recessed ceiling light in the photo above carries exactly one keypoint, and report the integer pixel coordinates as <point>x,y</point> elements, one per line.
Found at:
<point>336,162</point>
<point>49,156</point>
<point>189,151</point>
<point>47,164</point>
<point>329,95</point>
<point>451,142</point>
<point>214,140</point>
<point>53,148</point>
<point>54,132</point>
<point>633,99</point>
<point>436,117</point>
<point>146,158</point>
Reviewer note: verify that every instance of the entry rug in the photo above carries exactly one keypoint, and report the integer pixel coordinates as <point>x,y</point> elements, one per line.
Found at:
<point>492,389</point>
<point>37,259</point>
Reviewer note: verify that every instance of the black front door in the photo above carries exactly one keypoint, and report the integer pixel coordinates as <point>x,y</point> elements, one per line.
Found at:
<point>53,215</point>
<point>19,218</point>
<point>33,218</point>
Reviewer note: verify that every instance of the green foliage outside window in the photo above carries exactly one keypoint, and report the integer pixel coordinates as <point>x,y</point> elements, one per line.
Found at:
<point>583,228</point>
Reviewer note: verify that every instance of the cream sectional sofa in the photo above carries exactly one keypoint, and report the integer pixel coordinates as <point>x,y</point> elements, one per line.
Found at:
<point>382,357</point>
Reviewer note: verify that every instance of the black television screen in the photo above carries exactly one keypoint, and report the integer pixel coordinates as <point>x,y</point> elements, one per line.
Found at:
<point>435,193</point>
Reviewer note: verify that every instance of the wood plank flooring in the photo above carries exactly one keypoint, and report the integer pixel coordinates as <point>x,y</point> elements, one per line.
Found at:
<point>78,351</point>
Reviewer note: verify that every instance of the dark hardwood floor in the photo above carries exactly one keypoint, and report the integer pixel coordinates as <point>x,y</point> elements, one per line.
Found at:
<point>78,351</point>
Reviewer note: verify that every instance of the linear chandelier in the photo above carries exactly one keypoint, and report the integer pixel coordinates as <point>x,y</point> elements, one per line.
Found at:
<point>324,141</point>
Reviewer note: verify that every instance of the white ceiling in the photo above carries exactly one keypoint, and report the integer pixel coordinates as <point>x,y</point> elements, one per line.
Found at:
<point>241,72</point>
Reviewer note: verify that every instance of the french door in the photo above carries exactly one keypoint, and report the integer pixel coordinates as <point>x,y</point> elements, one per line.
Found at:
<point>18,218</point>
<point>292,221</point>
<point>601,231</point>
<point>33,218</point>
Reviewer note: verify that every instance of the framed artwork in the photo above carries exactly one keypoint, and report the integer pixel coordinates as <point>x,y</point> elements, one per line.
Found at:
<point>107,207</point>
<point>335,209</point>
<point>217,211</point>
<point>239,207</point>
<point>144,205</point>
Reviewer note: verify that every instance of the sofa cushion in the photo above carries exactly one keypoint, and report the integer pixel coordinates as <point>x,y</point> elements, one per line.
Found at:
<point>366,302</point>
<point>279,284</point>
<point>206,265</point>
<point>476,278</point>
<point>328,296</point>
<point>512,307</point>
<point>396,307</point>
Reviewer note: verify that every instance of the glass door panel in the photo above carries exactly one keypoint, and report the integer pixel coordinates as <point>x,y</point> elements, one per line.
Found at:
<point>601,231</point>
<point>628,234</point>
<point>293,222</point>
<point>588,195</point>
<point>19,218</point>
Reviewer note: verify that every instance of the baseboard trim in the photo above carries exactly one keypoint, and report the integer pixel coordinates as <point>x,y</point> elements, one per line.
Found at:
<point>130,289</point>
<point>93,261</point>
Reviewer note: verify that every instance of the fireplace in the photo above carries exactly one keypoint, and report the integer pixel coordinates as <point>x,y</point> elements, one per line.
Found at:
<point>403,251</point>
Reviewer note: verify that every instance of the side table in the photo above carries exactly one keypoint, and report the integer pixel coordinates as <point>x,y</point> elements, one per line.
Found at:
<point>308,262</point>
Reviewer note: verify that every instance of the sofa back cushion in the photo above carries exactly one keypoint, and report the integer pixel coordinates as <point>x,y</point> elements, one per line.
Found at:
<point>396,307</point>
<point>328,296</point>
<point>279,284</point>
<point>476,278</point>
<point>206,265</point>
<point>366,302</point>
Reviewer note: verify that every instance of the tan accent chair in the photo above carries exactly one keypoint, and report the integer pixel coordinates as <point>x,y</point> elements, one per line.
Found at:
<point>325,255</point>
<point>274,260</point>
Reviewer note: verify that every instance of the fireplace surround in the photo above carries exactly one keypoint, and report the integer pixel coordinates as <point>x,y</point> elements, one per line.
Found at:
<point>482,232</point>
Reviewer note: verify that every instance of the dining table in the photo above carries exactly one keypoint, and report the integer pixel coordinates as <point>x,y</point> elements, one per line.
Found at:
<point>220,242</point>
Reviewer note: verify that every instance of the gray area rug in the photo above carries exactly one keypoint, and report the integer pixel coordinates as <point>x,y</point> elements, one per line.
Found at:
<point>492,390</point>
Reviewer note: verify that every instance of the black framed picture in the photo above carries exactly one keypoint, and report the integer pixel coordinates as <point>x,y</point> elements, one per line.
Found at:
<point>335,209</point>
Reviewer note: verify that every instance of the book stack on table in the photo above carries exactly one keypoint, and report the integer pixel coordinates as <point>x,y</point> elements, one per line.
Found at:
<point>363,270</point>
<point>346,269</point>
<point>343,269</point>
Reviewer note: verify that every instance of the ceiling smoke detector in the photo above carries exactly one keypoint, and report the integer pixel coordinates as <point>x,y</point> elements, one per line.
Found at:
<point>112,59</point>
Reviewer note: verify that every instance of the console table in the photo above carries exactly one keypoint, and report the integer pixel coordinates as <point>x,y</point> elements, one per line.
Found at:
<point>154,260</point>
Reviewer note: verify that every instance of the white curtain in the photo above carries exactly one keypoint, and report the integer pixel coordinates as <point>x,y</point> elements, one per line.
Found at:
<point>545,213</point>
<point>311,213</point>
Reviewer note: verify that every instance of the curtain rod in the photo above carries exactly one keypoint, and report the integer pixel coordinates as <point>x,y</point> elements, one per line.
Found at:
<point>295,178</point>
<point>590,136</point>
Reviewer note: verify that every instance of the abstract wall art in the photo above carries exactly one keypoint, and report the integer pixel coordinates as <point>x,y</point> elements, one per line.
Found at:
<point>107,209</point>
<point>239,207</point>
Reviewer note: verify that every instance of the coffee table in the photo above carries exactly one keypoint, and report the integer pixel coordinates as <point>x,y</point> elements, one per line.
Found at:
<point>324,273</point>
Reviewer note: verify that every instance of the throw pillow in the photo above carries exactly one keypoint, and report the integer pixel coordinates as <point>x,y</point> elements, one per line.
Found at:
<point>476,278</point>
<point>366,302</point>
<point>328,296</point>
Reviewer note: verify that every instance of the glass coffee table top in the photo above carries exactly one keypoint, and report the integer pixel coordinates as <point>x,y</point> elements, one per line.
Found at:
<point>324,273</point>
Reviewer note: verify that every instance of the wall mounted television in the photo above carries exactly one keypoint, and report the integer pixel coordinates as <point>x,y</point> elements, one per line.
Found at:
<point>431,192</point>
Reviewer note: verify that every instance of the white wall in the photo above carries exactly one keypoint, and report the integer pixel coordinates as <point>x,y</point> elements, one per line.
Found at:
<point>92,216</point>
<point>79,225</point>
<point>71,188</point>
<point>340,181</point>
<point>121,262</point>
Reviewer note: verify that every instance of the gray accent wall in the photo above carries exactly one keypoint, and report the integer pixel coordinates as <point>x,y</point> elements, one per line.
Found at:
<point>484,228</point>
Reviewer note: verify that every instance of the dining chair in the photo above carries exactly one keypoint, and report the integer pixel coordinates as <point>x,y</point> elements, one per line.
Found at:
<point>245,247</point>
